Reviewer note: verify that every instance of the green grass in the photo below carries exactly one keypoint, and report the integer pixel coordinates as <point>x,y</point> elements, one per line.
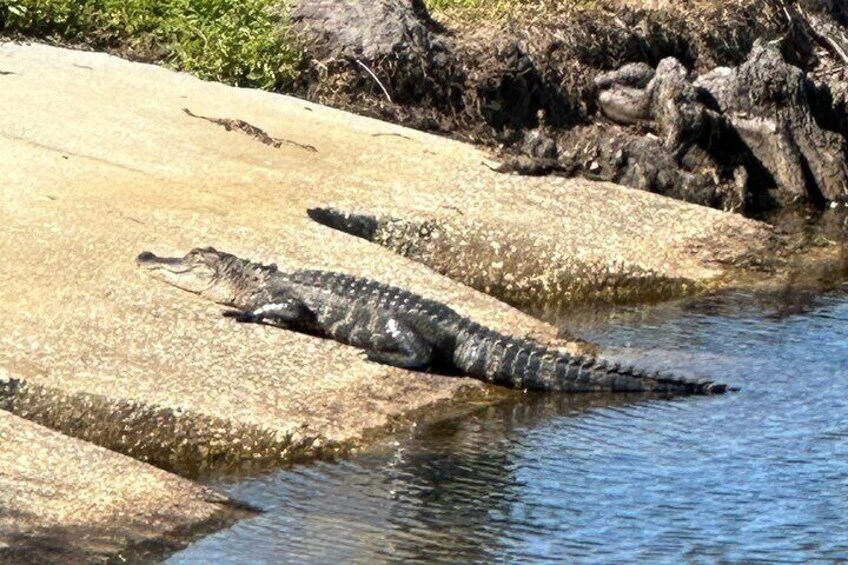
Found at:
<point>475,11</point>
<point>441,5</point>
<point>241,42</point>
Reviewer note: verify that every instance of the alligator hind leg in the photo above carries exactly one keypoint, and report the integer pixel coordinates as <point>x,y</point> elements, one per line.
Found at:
<point>399,345</point>
<point>402,359</point>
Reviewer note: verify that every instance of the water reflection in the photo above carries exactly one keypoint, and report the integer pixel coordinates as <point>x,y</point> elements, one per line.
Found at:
<point>757,476</point>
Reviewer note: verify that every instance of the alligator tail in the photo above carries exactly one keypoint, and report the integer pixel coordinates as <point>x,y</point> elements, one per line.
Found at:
<point>525,364</point>
<point>358,225</point>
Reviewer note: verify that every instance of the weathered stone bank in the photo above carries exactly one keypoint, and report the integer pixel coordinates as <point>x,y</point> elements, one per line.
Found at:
<point>66,501</point>
<point>101,160</point>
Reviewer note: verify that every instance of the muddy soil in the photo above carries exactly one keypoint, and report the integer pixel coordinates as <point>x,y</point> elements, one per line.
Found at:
<point>736,105</point>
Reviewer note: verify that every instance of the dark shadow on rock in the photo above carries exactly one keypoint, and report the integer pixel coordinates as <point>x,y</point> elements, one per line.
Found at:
<point>767,102</point>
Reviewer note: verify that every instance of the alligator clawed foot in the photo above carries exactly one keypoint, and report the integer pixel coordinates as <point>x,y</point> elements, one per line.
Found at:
<point>240,316</point>
<point>719,388</point>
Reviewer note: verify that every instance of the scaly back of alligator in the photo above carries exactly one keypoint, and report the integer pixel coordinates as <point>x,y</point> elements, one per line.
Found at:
<point>487,355</point>
<point>375,295</point>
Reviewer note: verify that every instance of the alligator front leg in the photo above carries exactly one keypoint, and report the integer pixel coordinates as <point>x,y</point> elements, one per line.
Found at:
<point>285,311</point>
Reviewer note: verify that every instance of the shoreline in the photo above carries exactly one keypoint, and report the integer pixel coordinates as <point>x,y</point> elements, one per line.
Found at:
<point>105,162</point>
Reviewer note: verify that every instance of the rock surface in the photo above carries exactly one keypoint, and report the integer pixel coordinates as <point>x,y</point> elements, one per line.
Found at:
<point>390,47</point>
<point>67,501</point>
<point>767,103</point>
<point>366,30</point>
<point>101,162</point>
<point>739,138</point>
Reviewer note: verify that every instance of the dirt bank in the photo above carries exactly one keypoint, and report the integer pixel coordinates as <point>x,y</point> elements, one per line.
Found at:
<point>538,85</point>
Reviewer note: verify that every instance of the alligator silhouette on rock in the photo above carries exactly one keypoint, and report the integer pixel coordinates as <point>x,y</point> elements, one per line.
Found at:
<point>396,327</point>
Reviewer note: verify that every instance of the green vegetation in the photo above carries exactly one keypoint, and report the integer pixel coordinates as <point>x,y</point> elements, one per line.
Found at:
<point>241,42</point>
<point>442,5</point>
<point>471,11</point>
<point>479,9</point>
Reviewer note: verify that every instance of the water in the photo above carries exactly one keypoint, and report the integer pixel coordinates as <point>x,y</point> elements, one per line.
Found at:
<point>756,476</point>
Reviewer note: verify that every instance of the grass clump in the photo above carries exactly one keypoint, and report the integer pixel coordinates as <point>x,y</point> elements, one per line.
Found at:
<point>240,42</point>
<point>478,9</point>
<point>500,11</point>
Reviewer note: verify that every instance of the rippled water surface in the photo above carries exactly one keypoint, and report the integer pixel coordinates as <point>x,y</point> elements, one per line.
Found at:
<point>756,476</point>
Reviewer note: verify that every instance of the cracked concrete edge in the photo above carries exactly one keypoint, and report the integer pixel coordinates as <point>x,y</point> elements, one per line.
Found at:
<point>157,549</point>
<point>531,272</point>
<point>67,501</point>
<point>198,446</point>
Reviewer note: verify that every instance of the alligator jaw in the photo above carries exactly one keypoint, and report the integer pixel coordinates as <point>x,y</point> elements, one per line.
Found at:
<point>181,272</point>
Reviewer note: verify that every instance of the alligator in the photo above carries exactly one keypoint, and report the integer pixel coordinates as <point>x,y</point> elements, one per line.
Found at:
<point>396,327</point>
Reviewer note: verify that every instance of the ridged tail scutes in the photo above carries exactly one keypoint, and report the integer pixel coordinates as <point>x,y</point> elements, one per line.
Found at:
<point>525,364</point>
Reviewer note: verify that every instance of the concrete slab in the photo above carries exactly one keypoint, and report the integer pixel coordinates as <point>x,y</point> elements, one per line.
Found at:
<point>100,161</point>
<point>67,501</point>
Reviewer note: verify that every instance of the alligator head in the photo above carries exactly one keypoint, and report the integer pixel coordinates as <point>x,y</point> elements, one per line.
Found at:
<point>215,275</point>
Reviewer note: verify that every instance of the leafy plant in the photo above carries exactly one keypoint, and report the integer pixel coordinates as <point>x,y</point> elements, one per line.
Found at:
<point>241,42</point>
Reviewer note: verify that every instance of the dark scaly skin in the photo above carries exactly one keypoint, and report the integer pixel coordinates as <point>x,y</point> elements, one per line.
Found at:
<point>399,328</point>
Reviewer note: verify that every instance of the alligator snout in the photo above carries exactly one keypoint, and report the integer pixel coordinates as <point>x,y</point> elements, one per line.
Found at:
<point>150,260</point>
